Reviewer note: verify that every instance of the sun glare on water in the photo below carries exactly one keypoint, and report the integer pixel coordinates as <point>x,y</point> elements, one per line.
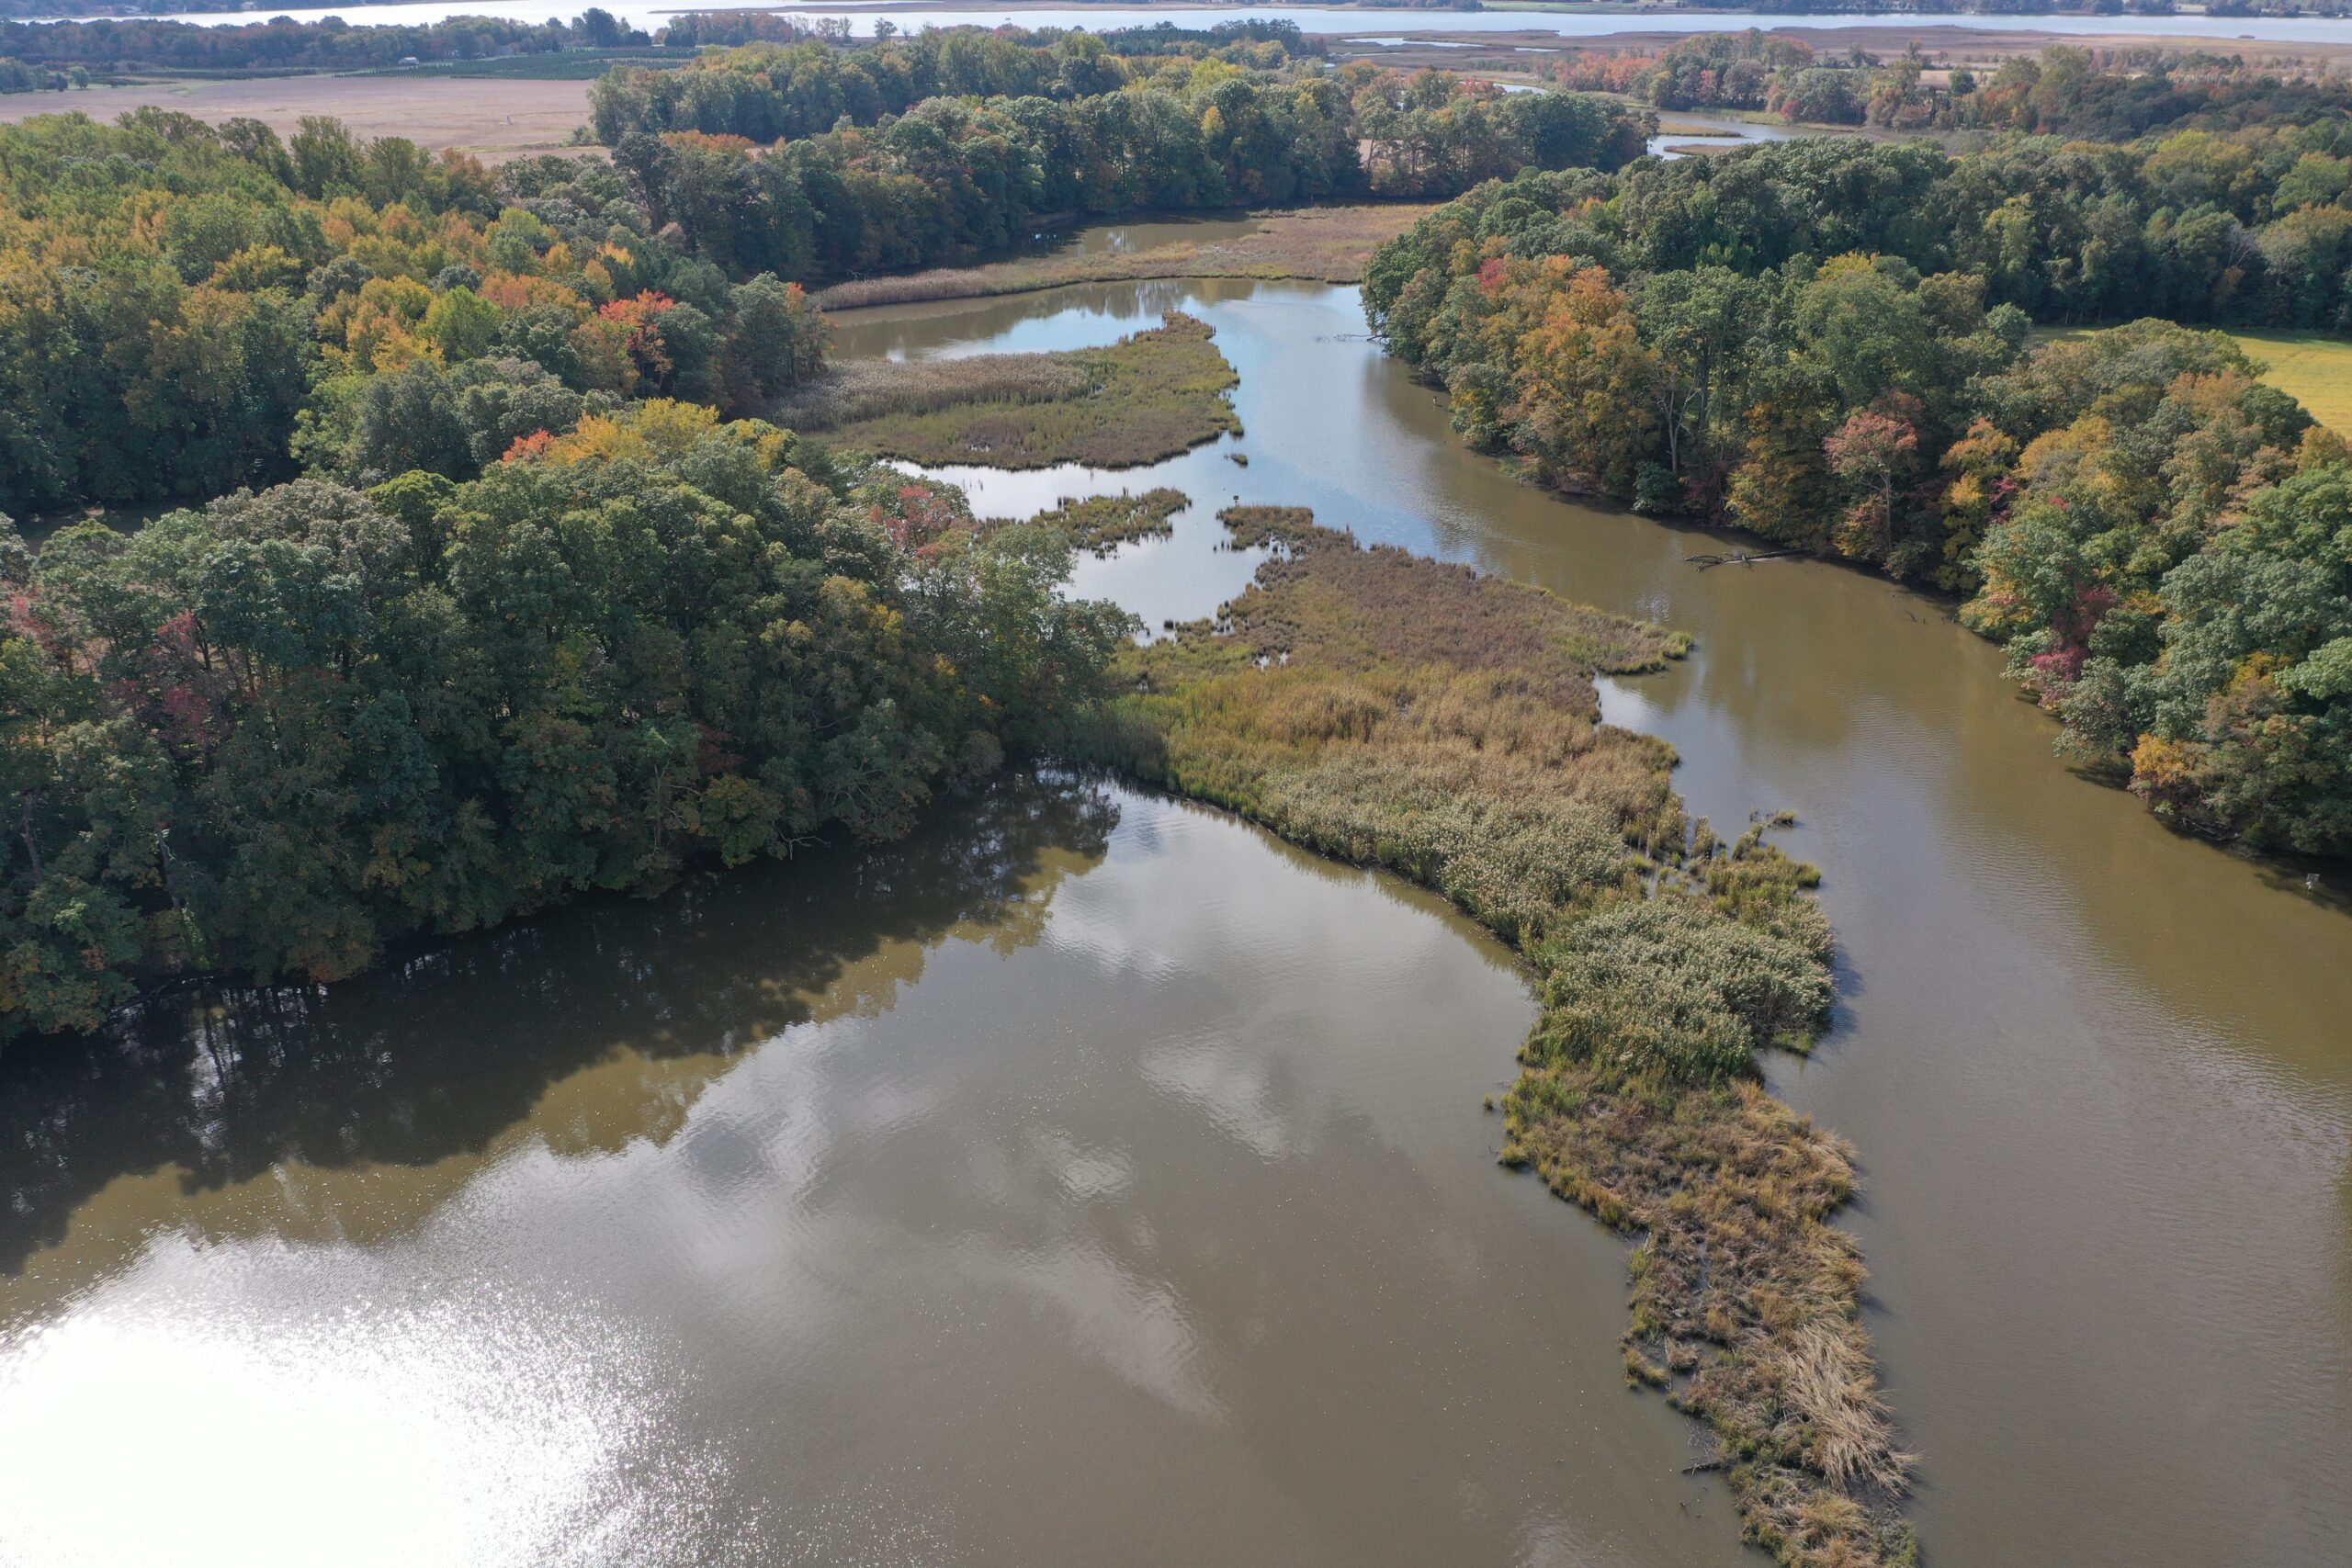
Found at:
<point>183,1414</point>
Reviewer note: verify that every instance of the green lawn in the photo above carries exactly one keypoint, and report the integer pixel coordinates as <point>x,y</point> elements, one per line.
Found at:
<point>2314,369</point>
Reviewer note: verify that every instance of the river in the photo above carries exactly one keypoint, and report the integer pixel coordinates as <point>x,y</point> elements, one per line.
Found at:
<point>1092,1179</point>
<point>1331,21</point>
<point>1095,1178</point>
<point>2100,1076</point>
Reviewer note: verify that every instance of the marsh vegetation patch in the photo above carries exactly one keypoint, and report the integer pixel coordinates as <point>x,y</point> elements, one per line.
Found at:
<point>1146,397</point>
<point>1329,245</point>
<point>1394,711</point>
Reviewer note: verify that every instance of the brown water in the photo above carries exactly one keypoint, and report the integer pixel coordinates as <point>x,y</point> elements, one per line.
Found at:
<point>2100,1076</point>
<point>1095,1180</point>
<point>1091,1179</point>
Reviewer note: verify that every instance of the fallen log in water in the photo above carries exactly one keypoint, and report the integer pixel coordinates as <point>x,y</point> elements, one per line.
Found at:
<point>1743,559</point>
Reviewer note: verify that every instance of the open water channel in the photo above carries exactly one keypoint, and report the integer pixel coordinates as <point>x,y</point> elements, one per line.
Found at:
<point>1094,1178</point>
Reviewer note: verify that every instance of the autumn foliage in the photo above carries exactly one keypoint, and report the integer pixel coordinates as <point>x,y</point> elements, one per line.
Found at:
<point>2144,524</point>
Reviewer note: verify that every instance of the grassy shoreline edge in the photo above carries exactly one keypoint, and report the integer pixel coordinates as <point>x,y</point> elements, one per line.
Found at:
<point>1461,748</point>
<point>1324,245</point>
<point>1149,396</point>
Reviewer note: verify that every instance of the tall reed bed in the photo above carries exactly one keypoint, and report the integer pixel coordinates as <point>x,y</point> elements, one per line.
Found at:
<point>1397,711</point>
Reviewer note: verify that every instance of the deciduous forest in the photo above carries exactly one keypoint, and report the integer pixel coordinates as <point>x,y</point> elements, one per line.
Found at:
<point>1827,343</point>
<point>533,619</point>
<point>184,309</point>
<point>396,544</point>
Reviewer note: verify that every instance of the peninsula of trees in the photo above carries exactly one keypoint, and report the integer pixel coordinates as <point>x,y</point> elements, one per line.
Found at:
<point>1827,343</point>
<point>478,601</point>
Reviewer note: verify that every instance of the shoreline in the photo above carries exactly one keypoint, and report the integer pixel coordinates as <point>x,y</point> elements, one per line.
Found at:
<point>1462,748</point>
<point>1388,710</point>
<point>1289,243</point>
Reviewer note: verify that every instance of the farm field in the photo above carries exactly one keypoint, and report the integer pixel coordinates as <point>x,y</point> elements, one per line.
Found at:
<point>2314,368</point>
<point>512,119</point>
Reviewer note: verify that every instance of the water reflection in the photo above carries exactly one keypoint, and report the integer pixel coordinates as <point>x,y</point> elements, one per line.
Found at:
<point>350,1113</point>
<point>1094,1178</point>
<point>1092,317</point>
<point>1701,132</point>
<point>2099,1072</point>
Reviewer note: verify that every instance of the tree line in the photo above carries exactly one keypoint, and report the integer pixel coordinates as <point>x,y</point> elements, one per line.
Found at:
<point>531,622</point>
<point>1828,343</point>
<point>954,177</point>
<point>283,44</point>
<point>2068,7</point>
<point>16,76</point>
<point>2094,94</point>
<point>335,44</point>
<point>281,733</point>
<point>531,619</point>
<point>767,90</point>
<point>2111,95</point>
<point>186,310</point>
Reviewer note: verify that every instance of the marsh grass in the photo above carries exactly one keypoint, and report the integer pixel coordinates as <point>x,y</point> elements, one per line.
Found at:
<point>863,390</point>
<point>1142,399</point>
<point>1101,523</point>
<point>1329,245</point>
<point>1326,597</point>
<point>1394,711</point>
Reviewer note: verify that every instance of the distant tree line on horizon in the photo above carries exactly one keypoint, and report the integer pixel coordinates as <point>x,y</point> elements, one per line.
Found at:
<point>336,43</point>
<point>2041,7</point>
<point>281,43</point>
<point>102,8</point>
<point>2098,95</point>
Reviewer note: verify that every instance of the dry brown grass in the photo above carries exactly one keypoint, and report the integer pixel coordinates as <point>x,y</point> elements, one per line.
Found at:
<point>1746,1301</point>
<point>1144,399</point>
<point>1394,711</point>
<point>1328,243</point>
<point>493,120</point>
<point>1362,608</point>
